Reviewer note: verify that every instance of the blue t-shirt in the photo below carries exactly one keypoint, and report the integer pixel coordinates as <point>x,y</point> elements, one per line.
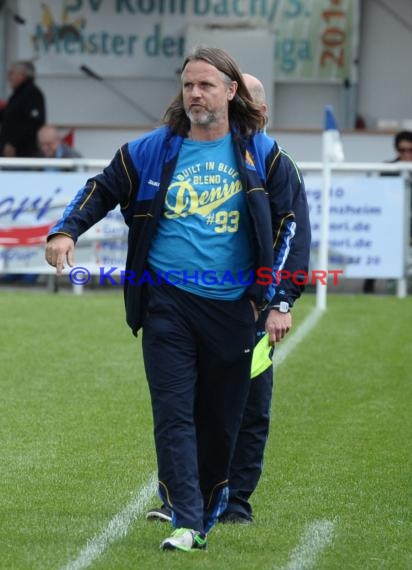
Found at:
<point>203,237</point>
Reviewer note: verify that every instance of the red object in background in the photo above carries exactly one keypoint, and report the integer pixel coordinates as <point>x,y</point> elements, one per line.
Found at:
<point>69,138</point>
<point>2,104</point>
<point>24,236</point>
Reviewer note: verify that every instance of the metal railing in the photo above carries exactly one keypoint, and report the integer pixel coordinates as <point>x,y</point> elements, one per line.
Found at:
<point>94,163</point>
<point>55,163</point>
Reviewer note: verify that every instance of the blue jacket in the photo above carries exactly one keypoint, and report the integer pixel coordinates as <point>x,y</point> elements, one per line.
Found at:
<point>138,178</point>
<point>290,289</point>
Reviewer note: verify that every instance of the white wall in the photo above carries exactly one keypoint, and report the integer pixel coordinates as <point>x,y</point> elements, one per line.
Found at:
<point>385,86</point>
<point>85,101</point>
<point>383,92</point>
<point>384,89</point>
<point>304,146</point>
<point>301,105</point>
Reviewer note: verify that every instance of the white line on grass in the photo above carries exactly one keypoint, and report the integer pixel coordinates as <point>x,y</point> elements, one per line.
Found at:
<point>317,536</point>
<point>117,527</point>
<point>290,343</point>
<point>319,533</point>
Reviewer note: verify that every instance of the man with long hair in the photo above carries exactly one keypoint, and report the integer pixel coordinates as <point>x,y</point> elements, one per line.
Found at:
<point>207,198</point>
<point>247,461</point>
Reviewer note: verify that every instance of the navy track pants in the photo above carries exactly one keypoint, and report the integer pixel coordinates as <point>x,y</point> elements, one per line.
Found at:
<point>197,355</point>
<point>247,462</point>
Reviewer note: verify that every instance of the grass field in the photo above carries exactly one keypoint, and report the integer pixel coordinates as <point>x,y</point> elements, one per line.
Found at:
<point>77,447</point>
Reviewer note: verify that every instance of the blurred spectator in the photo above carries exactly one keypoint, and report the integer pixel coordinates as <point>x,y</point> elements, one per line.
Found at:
<point>403,147</point>
<point>52,145</point>
<point>23,114</point>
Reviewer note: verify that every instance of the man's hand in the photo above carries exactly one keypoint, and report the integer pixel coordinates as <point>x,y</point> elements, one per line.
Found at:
<point>58,249</point>
<point>278,325</point>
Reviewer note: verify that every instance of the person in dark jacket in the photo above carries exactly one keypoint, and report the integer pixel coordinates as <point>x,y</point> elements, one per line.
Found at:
<point>23,114</point>
<point>247,462</point>
<point>208,201</point>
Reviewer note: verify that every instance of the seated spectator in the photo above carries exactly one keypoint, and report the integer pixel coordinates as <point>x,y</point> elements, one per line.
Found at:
<point>52,145</point>
<point>403,146</point>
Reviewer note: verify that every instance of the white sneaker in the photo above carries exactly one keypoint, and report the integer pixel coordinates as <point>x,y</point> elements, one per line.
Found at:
<point>184,539</point>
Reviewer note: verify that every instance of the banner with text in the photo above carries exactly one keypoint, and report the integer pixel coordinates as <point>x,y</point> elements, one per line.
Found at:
<point>366,224</point>
<point>314,39</point>
<point>31,203</point>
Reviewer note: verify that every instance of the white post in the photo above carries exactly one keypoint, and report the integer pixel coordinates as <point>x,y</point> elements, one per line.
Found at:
<point>401,288</point>
<point>331,151</point>
<point>77,289</point>
<point>402,283</point>
<point>321,289</point>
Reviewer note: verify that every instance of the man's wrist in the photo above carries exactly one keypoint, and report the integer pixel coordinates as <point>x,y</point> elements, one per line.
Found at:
<point>282,307</point>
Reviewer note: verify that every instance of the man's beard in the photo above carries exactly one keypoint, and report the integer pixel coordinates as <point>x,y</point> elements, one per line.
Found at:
<point>205,118</point>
